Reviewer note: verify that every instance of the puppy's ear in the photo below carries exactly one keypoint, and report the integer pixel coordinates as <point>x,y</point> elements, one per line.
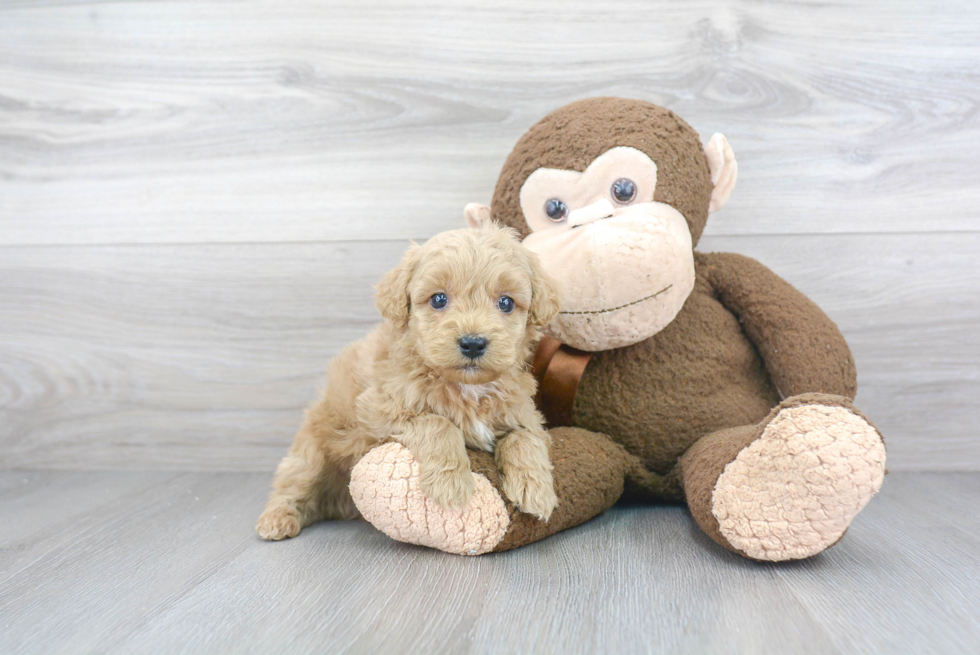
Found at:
<point>545,293</point>
<point>391,294</point>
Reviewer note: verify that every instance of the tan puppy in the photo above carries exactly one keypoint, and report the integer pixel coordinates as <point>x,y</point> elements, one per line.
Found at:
<point>446,370</point>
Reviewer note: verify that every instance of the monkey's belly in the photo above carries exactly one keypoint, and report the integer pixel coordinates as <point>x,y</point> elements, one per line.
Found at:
<point>659,396</point>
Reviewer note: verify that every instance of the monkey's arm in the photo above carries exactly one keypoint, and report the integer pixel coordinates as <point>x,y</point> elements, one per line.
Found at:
<point>803,350</point>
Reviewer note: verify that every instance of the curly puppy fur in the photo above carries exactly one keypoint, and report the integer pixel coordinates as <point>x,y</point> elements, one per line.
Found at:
<point>408,380</point>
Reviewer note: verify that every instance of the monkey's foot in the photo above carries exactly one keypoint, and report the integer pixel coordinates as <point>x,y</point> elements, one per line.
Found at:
<point>793,491</point>
<point>385,489</point>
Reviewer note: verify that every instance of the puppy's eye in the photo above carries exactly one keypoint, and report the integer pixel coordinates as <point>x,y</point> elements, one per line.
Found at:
<point>556,210</point>
<point>623,190</point>
<point>439,301</point>
<point>505,304</point>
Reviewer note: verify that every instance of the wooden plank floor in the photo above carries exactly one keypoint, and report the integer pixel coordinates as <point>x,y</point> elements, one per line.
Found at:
<point>127,562</point>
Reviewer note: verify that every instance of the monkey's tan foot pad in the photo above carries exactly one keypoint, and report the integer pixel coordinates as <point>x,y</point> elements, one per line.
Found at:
<point>793,492</point>
<point>385,489</point>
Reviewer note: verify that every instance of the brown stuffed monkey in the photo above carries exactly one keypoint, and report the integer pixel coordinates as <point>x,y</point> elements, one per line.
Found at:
<point>670,375</point>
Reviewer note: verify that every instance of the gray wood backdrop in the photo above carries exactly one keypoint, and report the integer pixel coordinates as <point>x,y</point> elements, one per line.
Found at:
<point>196,197</point>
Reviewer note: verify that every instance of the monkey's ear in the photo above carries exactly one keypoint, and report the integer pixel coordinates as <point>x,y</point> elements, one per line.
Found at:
<point>391,294</point>
<point>545,293</point>
<point>724,170</point>
<point>476,214</point>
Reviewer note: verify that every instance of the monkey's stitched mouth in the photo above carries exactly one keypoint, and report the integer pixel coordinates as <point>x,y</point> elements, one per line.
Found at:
<point>613,309</point>
<point>595,220</point>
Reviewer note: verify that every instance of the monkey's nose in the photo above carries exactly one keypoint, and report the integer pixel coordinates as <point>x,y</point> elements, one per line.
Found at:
<point>594,212</point>
<point>472,345</point>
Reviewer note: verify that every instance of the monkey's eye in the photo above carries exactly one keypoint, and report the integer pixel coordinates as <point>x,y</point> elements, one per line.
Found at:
<point>556,210</point>
<point>505,304</point>
<point>439,301</point>
<point>623,190</point>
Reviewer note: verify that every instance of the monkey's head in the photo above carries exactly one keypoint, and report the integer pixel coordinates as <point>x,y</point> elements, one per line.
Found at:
<point>613,195</point>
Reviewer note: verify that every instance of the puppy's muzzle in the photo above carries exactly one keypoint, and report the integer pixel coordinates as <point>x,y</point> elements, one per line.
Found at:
<point>472,346</point>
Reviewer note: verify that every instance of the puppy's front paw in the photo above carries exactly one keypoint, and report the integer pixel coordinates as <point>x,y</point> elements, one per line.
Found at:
<point>278,523</point>
<point>532,491</point>
<point>449,488</point>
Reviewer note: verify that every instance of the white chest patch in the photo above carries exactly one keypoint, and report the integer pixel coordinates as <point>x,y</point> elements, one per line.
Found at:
<point>474,392</point>
<point>477,433</point>
<point>480,436</point>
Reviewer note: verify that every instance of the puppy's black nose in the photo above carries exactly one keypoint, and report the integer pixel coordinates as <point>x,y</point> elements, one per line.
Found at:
<point>472,346</point>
